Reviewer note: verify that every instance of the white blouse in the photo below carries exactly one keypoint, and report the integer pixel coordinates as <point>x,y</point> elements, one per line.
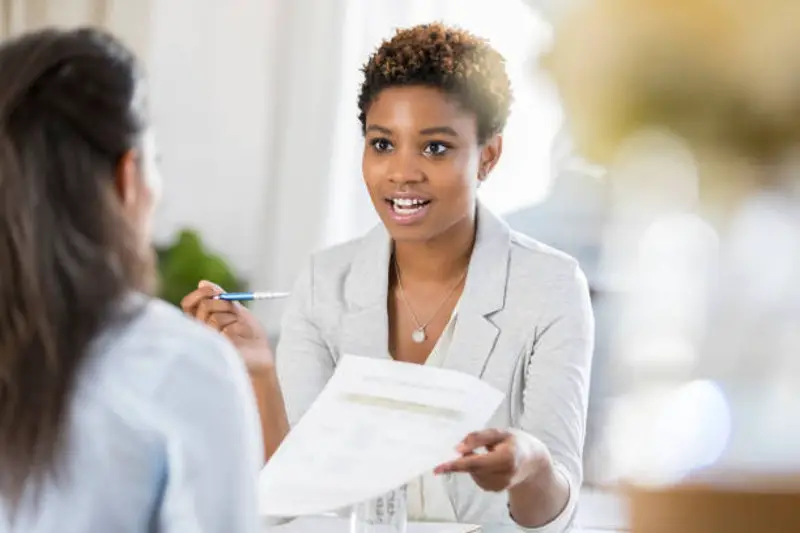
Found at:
<point>162,436</point>
<point>427,495</point>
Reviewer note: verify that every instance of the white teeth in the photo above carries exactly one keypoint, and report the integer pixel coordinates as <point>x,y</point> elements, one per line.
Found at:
<point>407,202</point>
<point>407,206</point>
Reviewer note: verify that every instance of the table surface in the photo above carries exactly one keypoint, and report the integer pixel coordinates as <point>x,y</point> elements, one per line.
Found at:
<point>598,512</point>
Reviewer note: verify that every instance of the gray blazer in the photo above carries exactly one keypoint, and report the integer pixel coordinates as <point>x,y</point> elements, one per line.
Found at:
<point>524,325</point>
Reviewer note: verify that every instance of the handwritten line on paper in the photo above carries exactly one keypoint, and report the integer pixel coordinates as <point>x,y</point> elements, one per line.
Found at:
<point>403,405</point>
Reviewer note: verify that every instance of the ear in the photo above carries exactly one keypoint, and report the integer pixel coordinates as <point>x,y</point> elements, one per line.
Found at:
<point>490,155</point>
<point>126,178</point>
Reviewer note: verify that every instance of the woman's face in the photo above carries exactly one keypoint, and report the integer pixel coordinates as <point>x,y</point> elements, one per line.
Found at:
<point>422,161</point>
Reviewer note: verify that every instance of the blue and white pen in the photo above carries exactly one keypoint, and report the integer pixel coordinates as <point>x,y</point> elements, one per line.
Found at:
<point>250,296</point>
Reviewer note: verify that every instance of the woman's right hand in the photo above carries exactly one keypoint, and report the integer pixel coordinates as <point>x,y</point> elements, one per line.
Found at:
<point>234,321</point>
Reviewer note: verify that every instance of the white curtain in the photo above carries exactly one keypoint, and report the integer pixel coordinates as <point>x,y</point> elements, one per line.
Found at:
<point>128,19</point>
<point>315,193</point>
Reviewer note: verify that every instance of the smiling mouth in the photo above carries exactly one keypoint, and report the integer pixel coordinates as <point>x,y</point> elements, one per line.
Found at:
<point>407,206</point>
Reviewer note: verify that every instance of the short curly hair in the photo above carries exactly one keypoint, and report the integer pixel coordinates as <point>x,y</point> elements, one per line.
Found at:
<point>447,58</point>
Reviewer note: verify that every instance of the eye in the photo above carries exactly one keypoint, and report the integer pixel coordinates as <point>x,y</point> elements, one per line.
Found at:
<point>381,144</point>
<point>436,149</point>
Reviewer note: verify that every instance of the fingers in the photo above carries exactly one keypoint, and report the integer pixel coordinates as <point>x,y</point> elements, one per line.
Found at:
<point>507,462</point>
<point>233,329</point>
<point>201,304</point>
<point>487,438</point>
<point>207,308</point>
<point>222,321</point>
<point>500,461</point>
<point>493,470</point>
<point>204,291</point>
<point>207,284</point>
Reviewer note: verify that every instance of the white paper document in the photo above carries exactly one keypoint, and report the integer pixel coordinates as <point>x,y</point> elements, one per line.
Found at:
<point>376,425</point>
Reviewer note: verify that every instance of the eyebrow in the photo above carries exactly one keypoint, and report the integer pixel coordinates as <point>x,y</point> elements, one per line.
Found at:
<point>440,130</point>
<point>379,129</point>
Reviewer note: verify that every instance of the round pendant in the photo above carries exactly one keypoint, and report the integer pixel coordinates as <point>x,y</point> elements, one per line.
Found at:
<point>418,336</point>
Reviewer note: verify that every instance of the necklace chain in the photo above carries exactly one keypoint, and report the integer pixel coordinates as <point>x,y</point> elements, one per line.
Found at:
<point>419,335</point>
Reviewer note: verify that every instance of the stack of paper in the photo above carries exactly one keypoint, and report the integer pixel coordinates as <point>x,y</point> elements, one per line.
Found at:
<point>376,425</point>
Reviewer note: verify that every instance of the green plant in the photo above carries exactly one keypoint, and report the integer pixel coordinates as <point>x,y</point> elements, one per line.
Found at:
<point>186,262</point>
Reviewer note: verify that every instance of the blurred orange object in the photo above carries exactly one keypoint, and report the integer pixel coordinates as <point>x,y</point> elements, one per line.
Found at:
<point>765,507</point>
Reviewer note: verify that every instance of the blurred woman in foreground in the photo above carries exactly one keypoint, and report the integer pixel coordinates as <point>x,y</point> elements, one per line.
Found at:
<point>116,412</point>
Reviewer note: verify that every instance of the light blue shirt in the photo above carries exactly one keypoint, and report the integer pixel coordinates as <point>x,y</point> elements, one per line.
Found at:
<point>163,436</point>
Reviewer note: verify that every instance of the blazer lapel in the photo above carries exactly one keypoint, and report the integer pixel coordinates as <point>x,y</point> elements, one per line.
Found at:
<point>365,324</point>
<point>484,294</point>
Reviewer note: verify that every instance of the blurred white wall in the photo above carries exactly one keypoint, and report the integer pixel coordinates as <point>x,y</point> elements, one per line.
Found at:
<point>210,84</point>
<point>245,100</point>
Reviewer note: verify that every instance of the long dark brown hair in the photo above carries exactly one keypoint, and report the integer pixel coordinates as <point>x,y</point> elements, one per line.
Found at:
<point>71,106</point>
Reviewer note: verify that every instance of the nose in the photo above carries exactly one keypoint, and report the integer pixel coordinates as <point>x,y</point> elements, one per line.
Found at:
<point>404,168</point>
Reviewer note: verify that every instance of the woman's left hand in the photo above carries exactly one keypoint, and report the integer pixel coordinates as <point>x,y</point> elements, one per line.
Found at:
<point>511,457</point>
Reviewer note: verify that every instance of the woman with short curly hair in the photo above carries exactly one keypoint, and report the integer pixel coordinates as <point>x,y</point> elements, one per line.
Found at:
<point>441,282</point>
